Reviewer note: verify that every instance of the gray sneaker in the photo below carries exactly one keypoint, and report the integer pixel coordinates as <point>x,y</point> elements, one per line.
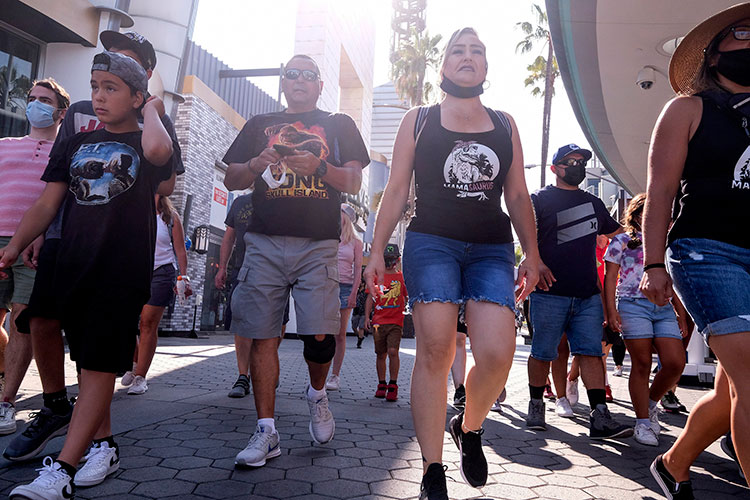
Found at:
<point>322,425</point>
<point>262,446</point>
<point>603,426</point>
<point>241,388</point>
<point>535,417</point>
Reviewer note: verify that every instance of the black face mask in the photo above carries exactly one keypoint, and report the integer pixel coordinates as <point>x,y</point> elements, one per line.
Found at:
<point>451,88</point>
<point>735,65</point>
<point>574,175</point>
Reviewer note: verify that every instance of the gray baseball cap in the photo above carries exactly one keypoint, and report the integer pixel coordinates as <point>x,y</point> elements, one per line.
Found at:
<point>122,66</point>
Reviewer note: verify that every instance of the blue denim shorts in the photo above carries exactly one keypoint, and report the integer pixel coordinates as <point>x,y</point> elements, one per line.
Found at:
<point>713,281</point>
<point>642,319</point>
<point>345,289</point>
<point>553,315</point>
<point>438,269</point>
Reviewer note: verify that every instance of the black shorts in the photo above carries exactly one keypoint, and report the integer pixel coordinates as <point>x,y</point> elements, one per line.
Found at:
<point>43,302</point>
<point>162,286</point>
<point>102,329</point>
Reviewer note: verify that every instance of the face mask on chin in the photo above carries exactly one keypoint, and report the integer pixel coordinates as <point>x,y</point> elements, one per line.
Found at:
<point>574,175</point>
<point>735,65</point>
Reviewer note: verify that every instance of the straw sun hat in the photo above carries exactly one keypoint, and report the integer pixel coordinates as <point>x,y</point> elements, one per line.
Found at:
<point>688,57</point>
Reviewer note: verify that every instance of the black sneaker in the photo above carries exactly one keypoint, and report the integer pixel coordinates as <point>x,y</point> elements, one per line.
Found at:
<point>535,416</point>
<point>473,464</point>
<point>459,397</point>
<point>433,483</point>
<point>359,342</point>
<point>241,388</point>
<point>727,446</point>
<point>44,426</point>
<point>671,488</point>
<point>603,426</point>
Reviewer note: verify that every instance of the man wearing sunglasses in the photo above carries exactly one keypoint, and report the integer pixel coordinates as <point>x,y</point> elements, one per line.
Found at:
<point>299,160</point>
<point>567,299</point>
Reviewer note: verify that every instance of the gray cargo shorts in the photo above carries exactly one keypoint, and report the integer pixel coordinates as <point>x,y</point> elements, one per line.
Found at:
<point>273,267</point>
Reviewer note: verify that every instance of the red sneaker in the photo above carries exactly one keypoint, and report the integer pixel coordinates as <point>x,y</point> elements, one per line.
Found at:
<point>392,394</point>
<point>548,392</point>
<point>608,394</point>
<point>380,393</point>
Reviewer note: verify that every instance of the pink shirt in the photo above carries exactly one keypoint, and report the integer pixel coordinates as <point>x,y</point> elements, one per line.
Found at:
<point>346,263</point>
<point>22,163</point>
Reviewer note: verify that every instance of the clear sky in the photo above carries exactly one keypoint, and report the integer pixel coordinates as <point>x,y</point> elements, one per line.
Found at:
<point>260,33</point>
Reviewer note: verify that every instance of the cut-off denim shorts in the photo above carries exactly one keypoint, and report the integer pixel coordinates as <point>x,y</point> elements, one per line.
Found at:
<point>713,281</point>
<point>438,269</point>
<point>642,319</point>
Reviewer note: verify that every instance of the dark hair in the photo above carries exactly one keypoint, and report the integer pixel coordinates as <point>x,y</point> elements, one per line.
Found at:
<point>706,77</point>
<point>632,219</point>
<point>307,58</point>
<point>63,98</point>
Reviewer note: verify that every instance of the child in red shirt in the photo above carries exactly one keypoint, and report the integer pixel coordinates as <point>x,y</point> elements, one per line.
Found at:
<point>388,323</point>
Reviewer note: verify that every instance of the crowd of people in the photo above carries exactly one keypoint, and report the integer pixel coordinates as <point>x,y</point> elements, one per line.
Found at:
<point>589,282</point>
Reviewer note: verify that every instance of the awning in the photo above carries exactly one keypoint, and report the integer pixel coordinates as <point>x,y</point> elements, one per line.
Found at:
<point>69,21</point>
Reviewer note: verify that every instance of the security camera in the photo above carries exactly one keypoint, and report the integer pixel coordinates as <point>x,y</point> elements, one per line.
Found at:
<point>645,79</point>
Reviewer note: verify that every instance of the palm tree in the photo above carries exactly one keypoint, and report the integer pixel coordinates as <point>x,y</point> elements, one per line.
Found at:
<point>409,66</point>
<point>542,69</point>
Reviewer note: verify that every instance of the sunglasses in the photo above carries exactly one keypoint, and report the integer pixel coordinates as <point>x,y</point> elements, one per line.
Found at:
<point>573,163</point>
<point>307,75</point>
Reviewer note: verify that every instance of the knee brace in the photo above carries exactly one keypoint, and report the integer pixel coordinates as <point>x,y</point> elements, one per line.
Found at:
<point>319,351</point>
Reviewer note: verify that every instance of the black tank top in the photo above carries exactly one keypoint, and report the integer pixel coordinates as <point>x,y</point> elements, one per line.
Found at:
<point>714,196</point>
<point>459,181</point>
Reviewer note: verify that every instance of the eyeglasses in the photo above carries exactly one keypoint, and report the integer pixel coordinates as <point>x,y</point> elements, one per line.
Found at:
<point>307,75</point>
<point>741,33</point>
<point>573,163</point>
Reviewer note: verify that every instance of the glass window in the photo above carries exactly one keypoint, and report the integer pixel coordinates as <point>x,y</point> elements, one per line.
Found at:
<point>19,61</point>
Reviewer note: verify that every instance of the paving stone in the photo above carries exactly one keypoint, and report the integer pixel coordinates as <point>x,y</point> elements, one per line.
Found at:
<point>144,474</point>
<point>224,489</point>
<point>561,493</point>
<point>386,463</point>
<point>108,488</point>
<point>258,475</point>
<point>181,463</point>
<point>341,488</point>
<point>312,474</point>
<point>365,474</point>
<point>282,489</point>
<point>508,492</point>
<point>162,488</point>
<point>170,451</point>
<point>203,475</point>
<point>337,462</point>
<point>217,452</point>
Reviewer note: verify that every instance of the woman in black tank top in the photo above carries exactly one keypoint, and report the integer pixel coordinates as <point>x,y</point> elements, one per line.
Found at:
<point>701,146</point>
<point>458,250</point>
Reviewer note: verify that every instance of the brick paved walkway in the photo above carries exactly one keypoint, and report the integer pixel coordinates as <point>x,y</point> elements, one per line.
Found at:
<point>179,440</point>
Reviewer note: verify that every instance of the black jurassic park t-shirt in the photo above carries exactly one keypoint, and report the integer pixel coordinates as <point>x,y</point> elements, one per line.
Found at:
<point>109,228</point>
<point>303,206</point>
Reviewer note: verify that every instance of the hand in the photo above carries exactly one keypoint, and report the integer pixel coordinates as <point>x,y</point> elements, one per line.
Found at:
<point>614,321</point>
<point>368,324</point>
<point>267,157</point>
<point>8,255</point>
<point>351,302</point>
<point>683,324</point>
<point>656,286</point>
<point>220,280</point>
<point>156,104</point>
<point>303,163</point>
<point>546,278</point>
<point>31,253</point>
<point>188,290</point>
<point>374,274</point>
<point>528,276</point>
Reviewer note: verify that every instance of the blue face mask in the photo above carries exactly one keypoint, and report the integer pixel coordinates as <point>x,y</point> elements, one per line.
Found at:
<point>40,114</point>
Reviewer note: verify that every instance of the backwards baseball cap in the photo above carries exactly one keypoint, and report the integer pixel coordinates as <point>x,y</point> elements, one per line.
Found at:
<point>570,148</point>
<point>122,66</point>
<point>349,211</point>
<point>133,41</point>
<point>391,250</point>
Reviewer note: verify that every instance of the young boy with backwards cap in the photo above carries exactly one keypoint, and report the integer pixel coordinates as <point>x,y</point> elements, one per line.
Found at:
<point>106,180</point>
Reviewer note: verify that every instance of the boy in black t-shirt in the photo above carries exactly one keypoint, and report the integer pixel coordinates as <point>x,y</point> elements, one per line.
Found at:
<point>107,180</point>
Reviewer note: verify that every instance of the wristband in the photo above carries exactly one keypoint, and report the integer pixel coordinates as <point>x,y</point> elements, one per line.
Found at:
<point>658,265</point>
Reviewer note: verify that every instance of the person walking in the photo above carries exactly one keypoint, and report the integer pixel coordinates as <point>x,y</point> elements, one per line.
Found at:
<point>350,276</point>
<point>300,161</point>
<point>645,327</point>
<point>458,250</point>
<point>699,152</point>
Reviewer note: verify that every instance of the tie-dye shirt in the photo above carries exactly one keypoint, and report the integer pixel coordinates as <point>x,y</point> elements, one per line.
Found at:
<point>630,261</point>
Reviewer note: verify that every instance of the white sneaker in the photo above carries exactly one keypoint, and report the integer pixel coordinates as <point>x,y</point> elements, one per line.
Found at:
<point>618,371</point>
<point>53,483</point>
<point>262,446</point>
<point>644,434</point>
<point>496,406</point>
<point>563,409</point>
<point>127,379</point>
<point>334,382</point>
<point>7,418</point>
<point>571,391</point>
<point>653,417</point>
<point>101,461</point>
<point>322,425</point>
<point>139,385</point>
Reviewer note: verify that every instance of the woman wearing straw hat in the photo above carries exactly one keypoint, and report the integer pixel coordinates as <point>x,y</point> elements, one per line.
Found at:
<point>701,145</point>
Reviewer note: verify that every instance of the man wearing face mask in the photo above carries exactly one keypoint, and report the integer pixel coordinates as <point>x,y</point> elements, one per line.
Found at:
<point>567,299</point>
<point>22,162</point>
